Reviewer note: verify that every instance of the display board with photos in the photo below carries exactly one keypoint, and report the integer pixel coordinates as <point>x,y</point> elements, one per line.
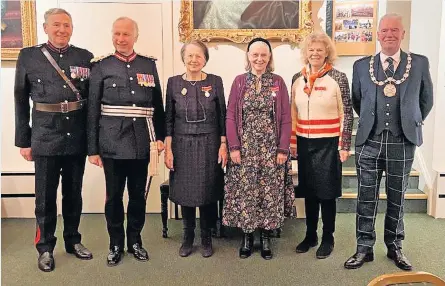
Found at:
<point>354,27</point>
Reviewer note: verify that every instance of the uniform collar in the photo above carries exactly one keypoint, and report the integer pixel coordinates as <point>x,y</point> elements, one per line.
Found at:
<point>57,50</point>
<point>125,59</point>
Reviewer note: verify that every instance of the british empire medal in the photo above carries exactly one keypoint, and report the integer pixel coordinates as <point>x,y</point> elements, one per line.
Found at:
<point>390,90</point>
<point>207,94</point>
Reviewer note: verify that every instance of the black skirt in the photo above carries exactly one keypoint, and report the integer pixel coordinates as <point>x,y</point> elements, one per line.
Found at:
<point>197,178</point>
<point>319,168</point>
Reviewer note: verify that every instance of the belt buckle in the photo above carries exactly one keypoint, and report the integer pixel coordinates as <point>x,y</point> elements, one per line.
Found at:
<point>64,106</point>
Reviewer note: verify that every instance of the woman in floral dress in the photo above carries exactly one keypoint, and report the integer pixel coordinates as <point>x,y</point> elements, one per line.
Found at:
<point>258,190</point>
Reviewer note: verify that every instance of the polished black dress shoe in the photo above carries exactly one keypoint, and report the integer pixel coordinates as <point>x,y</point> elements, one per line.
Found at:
<point>46,262</point>
<point>246,246</point>
<point>138,252</point>
<point>358,259</point>
<point>79,251</point>
<point>399,259</point>
<point>115,256</point>
<point>306,244</point>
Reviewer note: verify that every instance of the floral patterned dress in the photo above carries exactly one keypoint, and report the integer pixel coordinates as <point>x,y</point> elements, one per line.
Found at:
<point>255,189</point>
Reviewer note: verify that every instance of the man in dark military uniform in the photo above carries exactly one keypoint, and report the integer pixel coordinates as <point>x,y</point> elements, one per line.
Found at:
<point>125,120</point>
<point>56,142</point>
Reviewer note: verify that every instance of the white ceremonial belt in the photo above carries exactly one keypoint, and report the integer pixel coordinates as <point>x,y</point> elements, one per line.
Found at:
<point>127,111</point>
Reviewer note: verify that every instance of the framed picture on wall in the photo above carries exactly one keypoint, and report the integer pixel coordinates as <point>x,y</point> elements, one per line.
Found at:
<point>353,27</point>
<point>18,26</point>
<point>240,21</point>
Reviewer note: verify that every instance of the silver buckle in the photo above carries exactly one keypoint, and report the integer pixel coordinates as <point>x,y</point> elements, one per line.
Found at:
<point>64,107</point>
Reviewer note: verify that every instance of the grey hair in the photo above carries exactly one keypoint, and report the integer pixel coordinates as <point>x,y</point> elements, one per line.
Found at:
<point>392,16</point>
<point>135,24</point>
<point>270,65</point>
<point>55,11</point>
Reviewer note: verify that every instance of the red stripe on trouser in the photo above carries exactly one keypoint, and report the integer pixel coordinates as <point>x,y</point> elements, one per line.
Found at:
<point>37,239</point>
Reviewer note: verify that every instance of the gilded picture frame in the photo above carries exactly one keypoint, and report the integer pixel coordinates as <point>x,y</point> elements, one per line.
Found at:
<point>188,31</point>
<point>20,18</point>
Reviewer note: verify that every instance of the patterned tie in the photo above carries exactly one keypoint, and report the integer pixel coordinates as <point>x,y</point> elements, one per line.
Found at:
<point>390,68</point>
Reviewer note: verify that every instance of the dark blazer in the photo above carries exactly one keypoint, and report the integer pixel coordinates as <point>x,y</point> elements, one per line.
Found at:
<point>115,82</point>
<point>416,97</point>
<point>51,133</point>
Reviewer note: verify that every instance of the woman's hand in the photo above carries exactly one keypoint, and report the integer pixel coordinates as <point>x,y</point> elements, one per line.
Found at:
<point>168,159</point>
<point>344,155</point>
<point>281,158</point>
<point>235,156</point>
<point>293,151</point>
<point>222,155</point>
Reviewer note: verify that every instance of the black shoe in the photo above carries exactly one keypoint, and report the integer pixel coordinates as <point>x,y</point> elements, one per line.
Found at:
<point>79,251</point>
<point>115,256</point>
<point>138,252</point>
<point>206,243</point>
<point>266,251</point>
<point>358,259</point>
<point>325,249</point>
<point>187,244</point>
<point>400,259</point>
<point>306,244</point>
<point>46,262</point>
<point>246,246</point>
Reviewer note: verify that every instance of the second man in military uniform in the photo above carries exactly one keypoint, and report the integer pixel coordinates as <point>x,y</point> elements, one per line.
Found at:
<point>125,117</point>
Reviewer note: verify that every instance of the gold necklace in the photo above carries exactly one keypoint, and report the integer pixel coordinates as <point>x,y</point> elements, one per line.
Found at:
<point>390,89</point>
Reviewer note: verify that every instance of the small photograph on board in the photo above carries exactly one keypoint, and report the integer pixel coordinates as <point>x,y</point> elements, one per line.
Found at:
<point>365,23</point>
<point>343,11</point>
<point>350,24</point>
<point>362,10</point>
<point>366,36</point>
<point>339,25</point>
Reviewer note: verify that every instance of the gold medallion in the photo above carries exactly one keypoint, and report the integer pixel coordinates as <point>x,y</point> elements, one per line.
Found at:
<point>184,91</point>
<point>390,90</point>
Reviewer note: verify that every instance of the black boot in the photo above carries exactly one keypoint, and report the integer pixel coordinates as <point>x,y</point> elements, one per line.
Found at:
<point>326,246</point>
<point>266,251</point>
<point>206,243</point>
<point>246,245</point>
<point>187,243</point>
<point>311,240</point>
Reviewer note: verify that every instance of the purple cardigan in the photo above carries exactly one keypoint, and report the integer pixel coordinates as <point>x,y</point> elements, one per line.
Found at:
<point>234,125</point>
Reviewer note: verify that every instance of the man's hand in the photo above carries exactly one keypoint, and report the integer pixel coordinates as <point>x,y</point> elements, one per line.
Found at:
<point>26,153</point>
<point>95,160</point>
<point>160,146</point>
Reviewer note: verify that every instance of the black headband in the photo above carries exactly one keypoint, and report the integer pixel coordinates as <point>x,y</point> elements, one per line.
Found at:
<point>259,40</point>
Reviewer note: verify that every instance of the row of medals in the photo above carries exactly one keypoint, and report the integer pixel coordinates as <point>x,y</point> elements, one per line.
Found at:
<point>390,89</point>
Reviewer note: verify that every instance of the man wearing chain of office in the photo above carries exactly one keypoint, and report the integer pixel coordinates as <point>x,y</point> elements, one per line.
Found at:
<point>392,93</point>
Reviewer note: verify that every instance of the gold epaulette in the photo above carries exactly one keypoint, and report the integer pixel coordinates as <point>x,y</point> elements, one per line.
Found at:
<point>149,57</point>
<point>98,59</point>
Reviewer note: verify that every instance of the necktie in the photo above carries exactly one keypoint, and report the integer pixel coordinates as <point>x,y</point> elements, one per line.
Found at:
<point>390,68</point>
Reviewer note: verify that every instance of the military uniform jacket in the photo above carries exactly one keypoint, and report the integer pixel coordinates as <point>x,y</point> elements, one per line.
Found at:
<point>123,81</point>
<point>51,133</point>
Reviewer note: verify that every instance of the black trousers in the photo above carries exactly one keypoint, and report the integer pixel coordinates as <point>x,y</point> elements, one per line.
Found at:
<point>117,174</point>
<point>207,218</point>
<point>395,156</point>
<point>328,213</point>
<point>48,171</point>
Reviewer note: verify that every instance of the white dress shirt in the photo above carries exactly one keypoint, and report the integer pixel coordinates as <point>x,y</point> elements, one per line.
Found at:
<point>395,57</point>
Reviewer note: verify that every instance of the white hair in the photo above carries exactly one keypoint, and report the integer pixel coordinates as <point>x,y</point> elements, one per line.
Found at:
<point>55,11</point>
<point>392,16</point>
<point>135,24</point>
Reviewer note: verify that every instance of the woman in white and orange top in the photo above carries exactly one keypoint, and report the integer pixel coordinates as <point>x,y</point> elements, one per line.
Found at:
<point>321,137</point>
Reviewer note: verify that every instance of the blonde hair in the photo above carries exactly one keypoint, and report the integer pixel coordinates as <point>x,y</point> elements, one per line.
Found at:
<point>319,37</point>
<point>270,65</point>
